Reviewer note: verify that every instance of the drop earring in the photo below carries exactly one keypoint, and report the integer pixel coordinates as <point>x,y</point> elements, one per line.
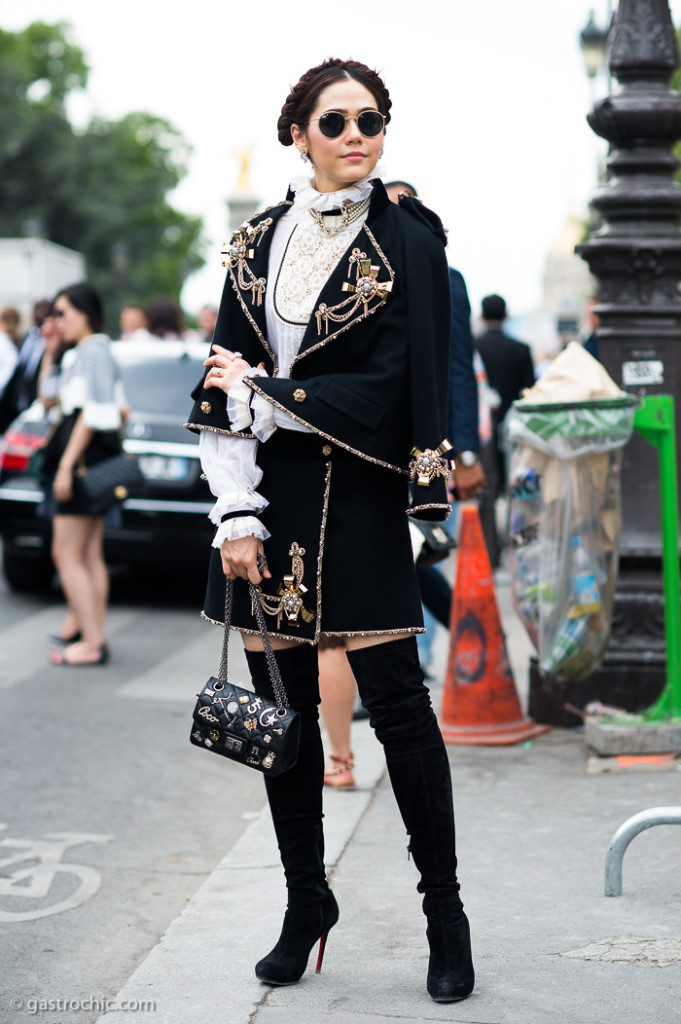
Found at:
<point>380,155</point>
<point>303,155</point>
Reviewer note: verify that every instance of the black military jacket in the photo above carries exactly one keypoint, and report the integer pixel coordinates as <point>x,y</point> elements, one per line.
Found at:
<point>372,372</point>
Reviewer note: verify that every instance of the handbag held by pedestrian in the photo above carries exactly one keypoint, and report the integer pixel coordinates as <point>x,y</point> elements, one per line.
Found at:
<point>239,724</point>
<point>100,486</point>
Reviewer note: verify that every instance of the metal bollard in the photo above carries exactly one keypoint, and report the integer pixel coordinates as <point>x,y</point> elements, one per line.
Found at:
<point>623,836</point>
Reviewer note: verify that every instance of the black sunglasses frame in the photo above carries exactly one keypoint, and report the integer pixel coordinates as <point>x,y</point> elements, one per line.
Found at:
<point>348,117</point>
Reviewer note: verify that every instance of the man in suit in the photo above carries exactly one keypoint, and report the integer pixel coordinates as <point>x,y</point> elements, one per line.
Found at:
<point>509,368</point>
<point>22,385</point>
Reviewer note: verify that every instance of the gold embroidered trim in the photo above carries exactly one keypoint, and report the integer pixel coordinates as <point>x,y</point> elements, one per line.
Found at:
<point>324,632</point>
<point>377,632</point>
<point>195,427</point>
<point>435,504</point>
<point>322,535</point>
<point>290,592</point>
<point>362,316</point>
<point>251,382</point>
<point>253,323</point>
<point>256,632</point>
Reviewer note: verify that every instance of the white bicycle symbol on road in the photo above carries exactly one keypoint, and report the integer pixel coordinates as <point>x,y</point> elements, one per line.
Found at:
<point>35,881</point>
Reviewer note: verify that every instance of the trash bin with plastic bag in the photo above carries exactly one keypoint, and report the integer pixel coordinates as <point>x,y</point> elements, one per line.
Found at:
<point>564,522</point>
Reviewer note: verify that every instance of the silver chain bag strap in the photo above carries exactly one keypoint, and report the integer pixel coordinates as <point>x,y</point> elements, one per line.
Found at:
<point>238,724</point>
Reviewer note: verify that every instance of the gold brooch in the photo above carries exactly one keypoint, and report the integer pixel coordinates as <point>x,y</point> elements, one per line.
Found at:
<point>207,408</point>
<point>241,249</point>
<point>366,285</point>
<point>366,288</point>
<point>290,599</point>
<point>428,464</point>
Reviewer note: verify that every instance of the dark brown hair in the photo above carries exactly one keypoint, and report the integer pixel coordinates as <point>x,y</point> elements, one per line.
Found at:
<point>303,97</point>
<point>164,317</point>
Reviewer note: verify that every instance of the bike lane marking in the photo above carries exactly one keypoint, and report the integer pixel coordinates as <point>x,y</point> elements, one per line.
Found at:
<point>47,852</point>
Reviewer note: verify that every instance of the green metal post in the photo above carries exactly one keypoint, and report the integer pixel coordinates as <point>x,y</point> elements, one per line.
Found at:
<point>654,419</point>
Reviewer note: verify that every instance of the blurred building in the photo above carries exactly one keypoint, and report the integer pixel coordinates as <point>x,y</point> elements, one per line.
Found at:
<point>32,269</point>
<point>242,203</point>
<point>567,282</point>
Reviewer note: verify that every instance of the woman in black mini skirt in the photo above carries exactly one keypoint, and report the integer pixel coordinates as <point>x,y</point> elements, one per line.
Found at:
<point>88,431</point>
<point>321,417</point>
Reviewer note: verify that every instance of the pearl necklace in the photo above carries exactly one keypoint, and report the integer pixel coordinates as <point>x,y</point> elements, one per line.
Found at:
<point>349,212</point>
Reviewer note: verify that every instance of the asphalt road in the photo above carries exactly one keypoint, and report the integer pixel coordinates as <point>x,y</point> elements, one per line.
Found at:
<point>109,819</point>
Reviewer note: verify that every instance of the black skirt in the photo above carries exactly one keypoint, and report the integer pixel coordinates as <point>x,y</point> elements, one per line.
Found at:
<point>104,444</point>
<point>339,551</point>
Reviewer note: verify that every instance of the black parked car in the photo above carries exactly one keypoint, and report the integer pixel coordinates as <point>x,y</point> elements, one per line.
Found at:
<point>168,525</point>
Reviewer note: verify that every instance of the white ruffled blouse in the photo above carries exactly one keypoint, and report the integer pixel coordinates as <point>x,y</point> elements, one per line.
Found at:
<point>302,258</point>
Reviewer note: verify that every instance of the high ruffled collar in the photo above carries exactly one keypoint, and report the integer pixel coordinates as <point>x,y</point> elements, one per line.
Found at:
<point>308,198</point>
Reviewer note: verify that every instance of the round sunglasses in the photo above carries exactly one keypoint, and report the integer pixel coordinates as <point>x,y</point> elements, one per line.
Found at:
<point>370,123</point>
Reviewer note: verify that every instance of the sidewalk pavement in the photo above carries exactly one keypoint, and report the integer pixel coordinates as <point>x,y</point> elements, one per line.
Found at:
<point>533,830</point>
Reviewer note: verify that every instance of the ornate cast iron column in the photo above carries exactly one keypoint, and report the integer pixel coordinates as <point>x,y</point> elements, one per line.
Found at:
<point>635,256</point>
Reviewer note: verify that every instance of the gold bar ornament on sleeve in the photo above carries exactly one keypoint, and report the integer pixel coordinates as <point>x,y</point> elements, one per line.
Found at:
<point>429,464</point>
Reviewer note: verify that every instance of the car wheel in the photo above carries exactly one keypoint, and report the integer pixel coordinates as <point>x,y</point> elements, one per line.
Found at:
<point>27,573</point>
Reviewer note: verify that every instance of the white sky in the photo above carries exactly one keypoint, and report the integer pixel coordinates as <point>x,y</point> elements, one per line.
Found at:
<point>489,105</point>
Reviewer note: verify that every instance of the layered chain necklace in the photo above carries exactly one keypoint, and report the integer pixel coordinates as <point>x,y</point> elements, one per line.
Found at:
<point>348,213</point>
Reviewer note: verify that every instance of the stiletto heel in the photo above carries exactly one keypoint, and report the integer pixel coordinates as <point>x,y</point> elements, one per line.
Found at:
<point>303,926</point>
<point>295,799</point>
<point>390,683</point>
<point>322,947</point>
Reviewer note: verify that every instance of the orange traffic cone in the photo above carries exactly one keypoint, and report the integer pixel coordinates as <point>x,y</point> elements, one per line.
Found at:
<point>480,704</point>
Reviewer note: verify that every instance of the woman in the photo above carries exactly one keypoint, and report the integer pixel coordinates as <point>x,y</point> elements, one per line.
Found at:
<point>325,390</point>
<point>91,403</point>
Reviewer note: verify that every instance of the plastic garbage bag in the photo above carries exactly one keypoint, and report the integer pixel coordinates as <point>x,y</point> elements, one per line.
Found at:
<point>564,522</point>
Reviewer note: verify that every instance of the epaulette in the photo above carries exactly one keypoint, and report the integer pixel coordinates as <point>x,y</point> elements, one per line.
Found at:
<point>427,217</point>
<point>274,206</point>
<point>246,235</point>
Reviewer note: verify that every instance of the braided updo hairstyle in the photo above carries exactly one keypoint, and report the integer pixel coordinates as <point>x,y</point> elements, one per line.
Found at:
<point>302,99</point>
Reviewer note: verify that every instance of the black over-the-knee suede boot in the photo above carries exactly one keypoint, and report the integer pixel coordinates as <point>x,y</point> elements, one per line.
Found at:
<point>390,683</point>
<point>295,799</point>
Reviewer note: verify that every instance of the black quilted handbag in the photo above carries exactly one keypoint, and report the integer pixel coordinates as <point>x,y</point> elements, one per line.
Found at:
<point>234,722</point>
<point>102,485</point>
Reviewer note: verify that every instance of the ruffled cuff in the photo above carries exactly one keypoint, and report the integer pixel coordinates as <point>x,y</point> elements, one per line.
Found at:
<point>244,526</point>
<point>263,417</point>
<point>239,399</point>
<point>236,501</point>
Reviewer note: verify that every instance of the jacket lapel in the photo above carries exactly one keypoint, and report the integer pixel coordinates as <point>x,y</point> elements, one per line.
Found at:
<point>246,258</point>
